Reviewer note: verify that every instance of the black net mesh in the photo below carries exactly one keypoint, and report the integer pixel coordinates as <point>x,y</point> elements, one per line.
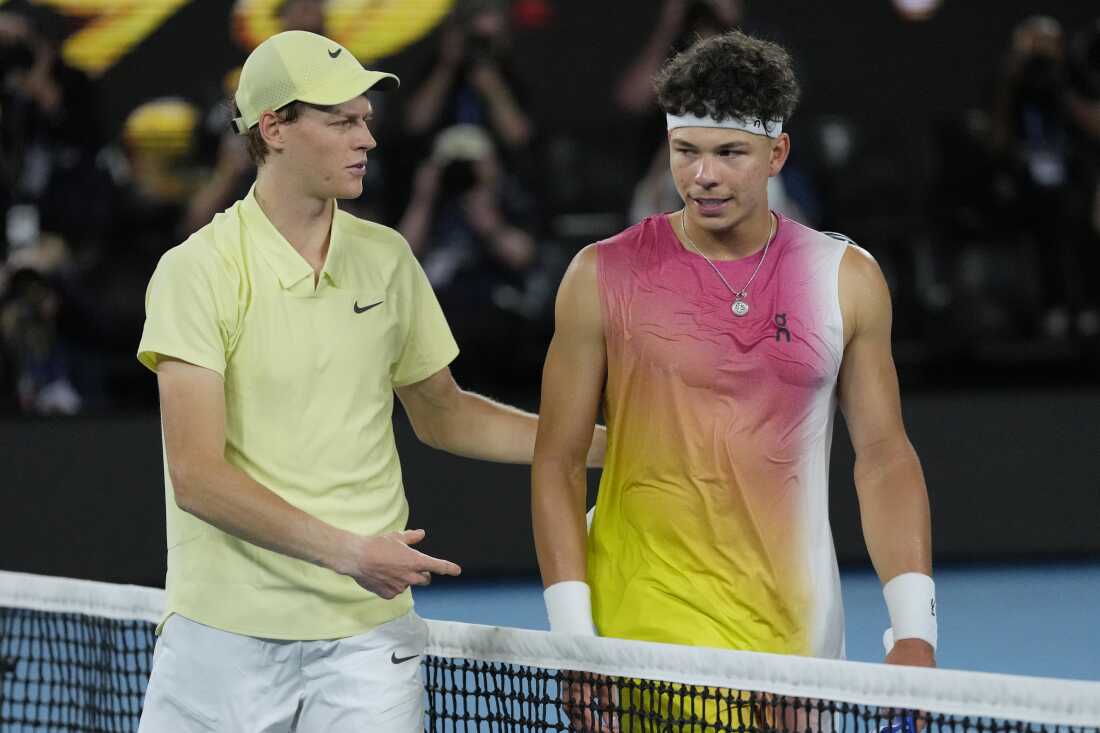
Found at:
<point>71,672</point>
<point>80,668</point>
<point>497,697</point>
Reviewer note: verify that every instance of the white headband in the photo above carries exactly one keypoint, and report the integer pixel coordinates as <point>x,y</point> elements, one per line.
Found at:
<point>771,128</point>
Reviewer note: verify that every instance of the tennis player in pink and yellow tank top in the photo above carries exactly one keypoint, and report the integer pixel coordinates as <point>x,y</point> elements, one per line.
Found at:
<point>719,340</point>
<point>712,523</point>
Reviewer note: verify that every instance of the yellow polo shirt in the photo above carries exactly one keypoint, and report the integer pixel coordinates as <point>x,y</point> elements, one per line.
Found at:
<point>309,377</point>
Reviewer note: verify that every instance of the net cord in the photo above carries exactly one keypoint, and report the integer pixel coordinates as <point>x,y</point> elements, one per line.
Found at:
<point>974,694</point>
<point>88,597</point>
<point>977,694</point>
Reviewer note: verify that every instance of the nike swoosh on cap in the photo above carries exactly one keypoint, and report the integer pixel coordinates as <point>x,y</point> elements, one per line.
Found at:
<point>334,54</point>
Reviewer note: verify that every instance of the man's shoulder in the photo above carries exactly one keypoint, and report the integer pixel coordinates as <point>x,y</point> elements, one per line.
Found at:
<point>634,249</point>
<point>853,257</point>
<point>634,235</point>
<point>859,264</point>
<point>607,260</point>
<point>369,236</point>
<point>864,293</point>
<point>208,250</point>
<point>800,233</point>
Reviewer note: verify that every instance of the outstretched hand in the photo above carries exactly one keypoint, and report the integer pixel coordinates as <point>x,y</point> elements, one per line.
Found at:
<point>387,564</point>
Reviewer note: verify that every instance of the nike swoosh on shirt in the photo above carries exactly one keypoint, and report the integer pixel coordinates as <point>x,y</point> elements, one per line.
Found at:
<point>399,660</point>
<point>365,308</point>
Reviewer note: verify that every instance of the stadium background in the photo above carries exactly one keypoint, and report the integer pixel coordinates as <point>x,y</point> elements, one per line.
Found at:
<point>1001,398</point>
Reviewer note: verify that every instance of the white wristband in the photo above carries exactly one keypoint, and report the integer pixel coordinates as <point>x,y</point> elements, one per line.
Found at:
<point>569,606</point>
<point>911,601</point>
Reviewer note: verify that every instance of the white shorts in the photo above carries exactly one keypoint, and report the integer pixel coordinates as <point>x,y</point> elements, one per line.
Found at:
<point>205,679</point>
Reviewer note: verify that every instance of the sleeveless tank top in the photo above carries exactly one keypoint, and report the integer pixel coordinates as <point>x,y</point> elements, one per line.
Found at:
<point>711,526</point>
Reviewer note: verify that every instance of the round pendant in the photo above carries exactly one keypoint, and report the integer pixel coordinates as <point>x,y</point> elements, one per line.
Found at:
<point>739,308</point>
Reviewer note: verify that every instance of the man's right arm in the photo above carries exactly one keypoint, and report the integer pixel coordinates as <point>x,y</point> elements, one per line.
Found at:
<point>192,402</point>
<point>572,384</point>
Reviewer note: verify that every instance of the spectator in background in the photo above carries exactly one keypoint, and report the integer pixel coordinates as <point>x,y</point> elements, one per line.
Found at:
<point>229,170</point>
<point>49,132</point>
<point>1084,75</point>
<point>153,177</point>
<point>1084,108</point>
<point>33,355</point>
<point>470,223</point>
<point>54,210</point>
<point>37,375</point>
<point>156,176</point>
<point>1040,144</point>
<point>472,81</point>
<point>463,206</point>
<point>681,23</point>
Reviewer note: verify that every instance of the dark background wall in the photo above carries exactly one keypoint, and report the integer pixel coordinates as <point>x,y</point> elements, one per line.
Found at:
<point>1011,476</point>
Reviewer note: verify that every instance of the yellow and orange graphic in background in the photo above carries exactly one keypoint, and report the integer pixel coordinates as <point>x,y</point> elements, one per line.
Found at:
<point>368,28</point>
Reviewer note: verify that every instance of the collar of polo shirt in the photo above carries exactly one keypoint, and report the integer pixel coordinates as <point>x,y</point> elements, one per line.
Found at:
<point>289,266</point>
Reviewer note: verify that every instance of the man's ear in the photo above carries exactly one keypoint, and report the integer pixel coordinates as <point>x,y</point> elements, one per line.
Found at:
<point>271,129</point>
<point>781,148</point>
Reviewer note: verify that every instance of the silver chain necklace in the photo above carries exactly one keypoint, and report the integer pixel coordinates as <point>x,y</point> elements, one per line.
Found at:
<point>738,306</point>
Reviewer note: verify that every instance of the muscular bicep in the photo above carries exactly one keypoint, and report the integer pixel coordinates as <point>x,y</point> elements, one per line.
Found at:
<point>868,383</point>
<point>576,364</point>
<point>192,406</point>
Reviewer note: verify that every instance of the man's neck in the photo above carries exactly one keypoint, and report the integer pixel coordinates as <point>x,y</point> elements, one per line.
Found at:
<point>743,240</point>
<point>304,221</point>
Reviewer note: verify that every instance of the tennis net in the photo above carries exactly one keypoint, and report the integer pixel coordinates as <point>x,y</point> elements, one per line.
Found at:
<point>75,656</point>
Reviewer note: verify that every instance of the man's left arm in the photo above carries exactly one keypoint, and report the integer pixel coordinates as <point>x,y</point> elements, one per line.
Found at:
<point>893,499</point>
<point>449,418</point>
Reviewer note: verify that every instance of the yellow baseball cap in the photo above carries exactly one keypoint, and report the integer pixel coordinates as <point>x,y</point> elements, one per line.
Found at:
<point>298,66</point>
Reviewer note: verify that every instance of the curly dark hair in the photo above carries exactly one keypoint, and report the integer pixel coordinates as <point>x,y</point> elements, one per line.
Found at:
<point>732,75</point>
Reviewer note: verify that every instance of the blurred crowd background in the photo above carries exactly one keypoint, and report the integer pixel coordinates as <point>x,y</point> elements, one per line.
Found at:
<point>959,144</point>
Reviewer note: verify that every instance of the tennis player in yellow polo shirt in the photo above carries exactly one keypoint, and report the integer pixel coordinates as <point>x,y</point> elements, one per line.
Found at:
<point>279,333</point>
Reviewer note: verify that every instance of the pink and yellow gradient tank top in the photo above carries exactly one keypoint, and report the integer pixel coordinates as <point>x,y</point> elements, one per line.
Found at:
<point>712,527</point>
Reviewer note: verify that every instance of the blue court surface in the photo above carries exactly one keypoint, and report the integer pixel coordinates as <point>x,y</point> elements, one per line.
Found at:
<point>1041,620</point>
